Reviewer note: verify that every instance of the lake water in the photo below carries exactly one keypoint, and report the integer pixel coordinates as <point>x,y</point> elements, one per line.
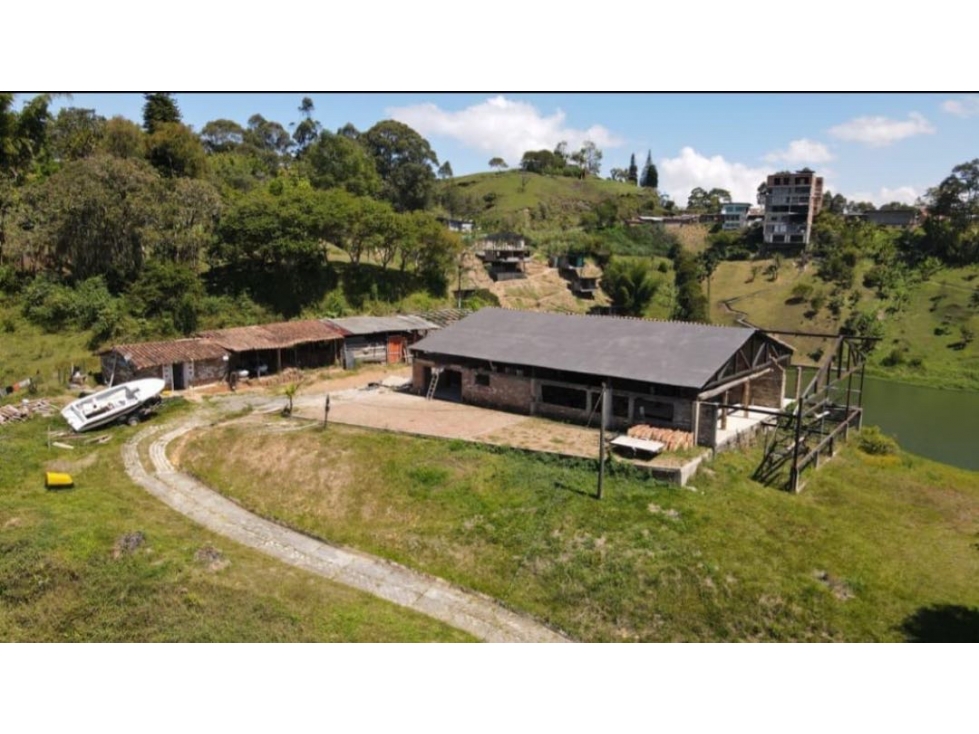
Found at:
<point>940,424</point>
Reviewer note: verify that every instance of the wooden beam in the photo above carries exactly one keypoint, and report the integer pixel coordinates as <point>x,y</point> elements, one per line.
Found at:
<point>707,394</point>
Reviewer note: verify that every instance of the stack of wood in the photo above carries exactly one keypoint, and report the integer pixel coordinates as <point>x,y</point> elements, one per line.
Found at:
<point>289,374</point>
<point>25,410</point>
<point>672,439</point>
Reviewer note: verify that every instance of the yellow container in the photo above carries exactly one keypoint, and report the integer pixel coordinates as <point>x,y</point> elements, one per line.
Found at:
<point>57,480</point>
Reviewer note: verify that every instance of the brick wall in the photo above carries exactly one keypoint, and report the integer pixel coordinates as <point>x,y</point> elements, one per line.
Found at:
<point>508,392</point>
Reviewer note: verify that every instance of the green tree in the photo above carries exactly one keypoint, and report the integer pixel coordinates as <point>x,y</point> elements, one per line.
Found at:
<point>630,284</point>
<point>498,163</point>
<point>308,129</point>
<point>174,150</point>
<point>650,176</point>
<point>404,160</point>
<point>633,175</point>
<point>92,218</point>
<point>268,141</point>
<point>123,139</point>
<point>222,136</point>
<point>690,303</point>
<point>75,133</point>
<point>445,170</point>
<point>159,108</point>
<point>699,200</point>
<point>170,293</point>
<point>337,161</point>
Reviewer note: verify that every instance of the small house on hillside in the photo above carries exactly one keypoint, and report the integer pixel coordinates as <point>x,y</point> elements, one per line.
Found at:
<point>180,363</point>
<point>675,375</point>
<point>504,255</point>
<point>582,276</point>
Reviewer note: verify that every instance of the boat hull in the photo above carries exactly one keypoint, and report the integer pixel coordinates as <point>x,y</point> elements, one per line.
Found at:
<point>111,405</point>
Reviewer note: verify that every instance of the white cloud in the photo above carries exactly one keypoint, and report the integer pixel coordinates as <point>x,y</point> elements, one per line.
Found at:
<point>880,131</point>
<point>801,151</point>
<point>679,176</point>
<point>902,194</point>
<point>968,106</point>
<point>502,127</point>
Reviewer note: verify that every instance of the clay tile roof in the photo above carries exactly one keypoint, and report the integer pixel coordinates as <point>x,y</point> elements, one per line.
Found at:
<point>273,336</point>
<point>152,354</point>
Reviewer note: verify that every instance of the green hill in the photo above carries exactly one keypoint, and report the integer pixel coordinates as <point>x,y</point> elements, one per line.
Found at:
<point>531,201</point>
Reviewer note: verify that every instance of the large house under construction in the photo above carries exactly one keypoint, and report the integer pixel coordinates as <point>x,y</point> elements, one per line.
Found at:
<point>671,374</point>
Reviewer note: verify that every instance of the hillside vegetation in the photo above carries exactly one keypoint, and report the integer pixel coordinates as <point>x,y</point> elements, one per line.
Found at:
<point>532,202</point>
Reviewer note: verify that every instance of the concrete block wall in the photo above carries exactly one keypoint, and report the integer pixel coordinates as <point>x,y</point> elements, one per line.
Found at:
<point>508,392</point>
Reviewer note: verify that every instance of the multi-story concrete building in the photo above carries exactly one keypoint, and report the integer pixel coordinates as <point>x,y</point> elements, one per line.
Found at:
<point>734,215</point>
<point>791,201</point>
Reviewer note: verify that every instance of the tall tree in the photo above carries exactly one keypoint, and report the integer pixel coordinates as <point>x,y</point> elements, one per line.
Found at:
<point>159,108</point>
<point>630,284</point>
<point>498,163</point>
<point>123,138</point>
<point>335,160</point>
<point>633,170</point>
<point>75,133</point>
<point>175,151</point>
<point>308,129</point>
<point>222,136</point>
<point>404,160</point>
<point>445,170</point>
<point>650,176</point>
<point>93,216</point>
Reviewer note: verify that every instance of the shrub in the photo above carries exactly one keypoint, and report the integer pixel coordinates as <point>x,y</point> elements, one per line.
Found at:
<point>801,292</point>
<point>873,441</point>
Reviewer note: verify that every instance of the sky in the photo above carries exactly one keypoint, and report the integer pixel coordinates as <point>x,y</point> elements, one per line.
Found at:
<point>869,147</point>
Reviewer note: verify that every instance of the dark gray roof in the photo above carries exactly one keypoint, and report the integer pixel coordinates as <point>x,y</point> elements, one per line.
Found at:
<point>360,325</point>
<point>664,352</point>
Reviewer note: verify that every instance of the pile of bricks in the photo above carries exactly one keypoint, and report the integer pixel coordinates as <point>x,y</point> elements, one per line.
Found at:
<point>25,410</point>
<point>673,440</point>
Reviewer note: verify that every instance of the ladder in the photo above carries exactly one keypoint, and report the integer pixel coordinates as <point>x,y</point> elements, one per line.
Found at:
<point>433,385</point>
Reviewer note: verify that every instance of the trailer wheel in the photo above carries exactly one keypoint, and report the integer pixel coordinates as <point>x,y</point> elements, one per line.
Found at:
<point>132,420</point>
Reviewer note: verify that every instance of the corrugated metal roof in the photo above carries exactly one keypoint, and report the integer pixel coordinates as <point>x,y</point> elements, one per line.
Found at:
<point>360,325</point>
<point>445,316</point>
<point>664,352</point>
<point>280,335</point>
<point>153,354</point>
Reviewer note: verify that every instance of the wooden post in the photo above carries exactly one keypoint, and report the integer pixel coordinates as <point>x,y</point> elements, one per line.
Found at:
<point>601,438</point>
<point>746,397</point>
<point>798,381</point>
<point>696,422</point>
<point>724,411</point>
<point>278,361</point>
<point>794,475</point>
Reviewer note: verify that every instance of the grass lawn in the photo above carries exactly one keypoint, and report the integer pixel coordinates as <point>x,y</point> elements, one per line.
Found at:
<point>68,572</point>
<point>872,548</point>
<point>928,358</point>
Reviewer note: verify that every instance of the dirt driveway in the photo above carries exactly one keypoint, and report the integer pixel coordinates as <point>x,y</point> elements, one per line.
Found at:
<point>398,411</point>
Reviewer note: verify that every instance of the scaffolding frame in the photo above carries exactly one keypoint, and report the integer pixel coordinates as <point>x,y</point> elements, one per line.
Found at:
<point>822,413</point>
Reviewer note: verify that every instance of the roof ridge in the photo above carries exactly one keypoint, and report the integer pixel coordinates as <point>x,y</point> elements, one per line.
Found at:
<point>623,317</point>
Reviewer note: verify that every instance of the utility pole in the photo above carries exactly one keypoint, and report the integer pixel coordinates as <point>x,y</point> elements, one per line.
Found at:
<point>601,438</point>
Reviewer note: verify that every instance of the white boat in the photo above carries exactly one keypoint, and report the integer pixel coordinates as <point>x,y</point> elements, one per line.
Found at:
<point>112,404</point>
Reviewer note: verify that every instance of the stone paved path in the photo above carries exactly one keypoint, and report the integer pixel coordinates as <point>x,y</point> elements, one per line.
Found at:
<point>479,615</point>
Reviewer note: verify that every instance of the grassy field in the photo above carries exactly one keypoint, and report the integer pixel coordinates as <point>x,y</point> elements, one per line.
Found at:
<point>107,562</point>
<point>27,351</point>
<point>530,201</point>
<point>927,358</point>
<point>876,548</point>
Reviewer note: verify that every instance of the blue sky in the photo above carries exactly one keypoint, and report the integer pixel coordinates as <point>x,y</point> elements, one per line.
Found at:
<point>880,147</point>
